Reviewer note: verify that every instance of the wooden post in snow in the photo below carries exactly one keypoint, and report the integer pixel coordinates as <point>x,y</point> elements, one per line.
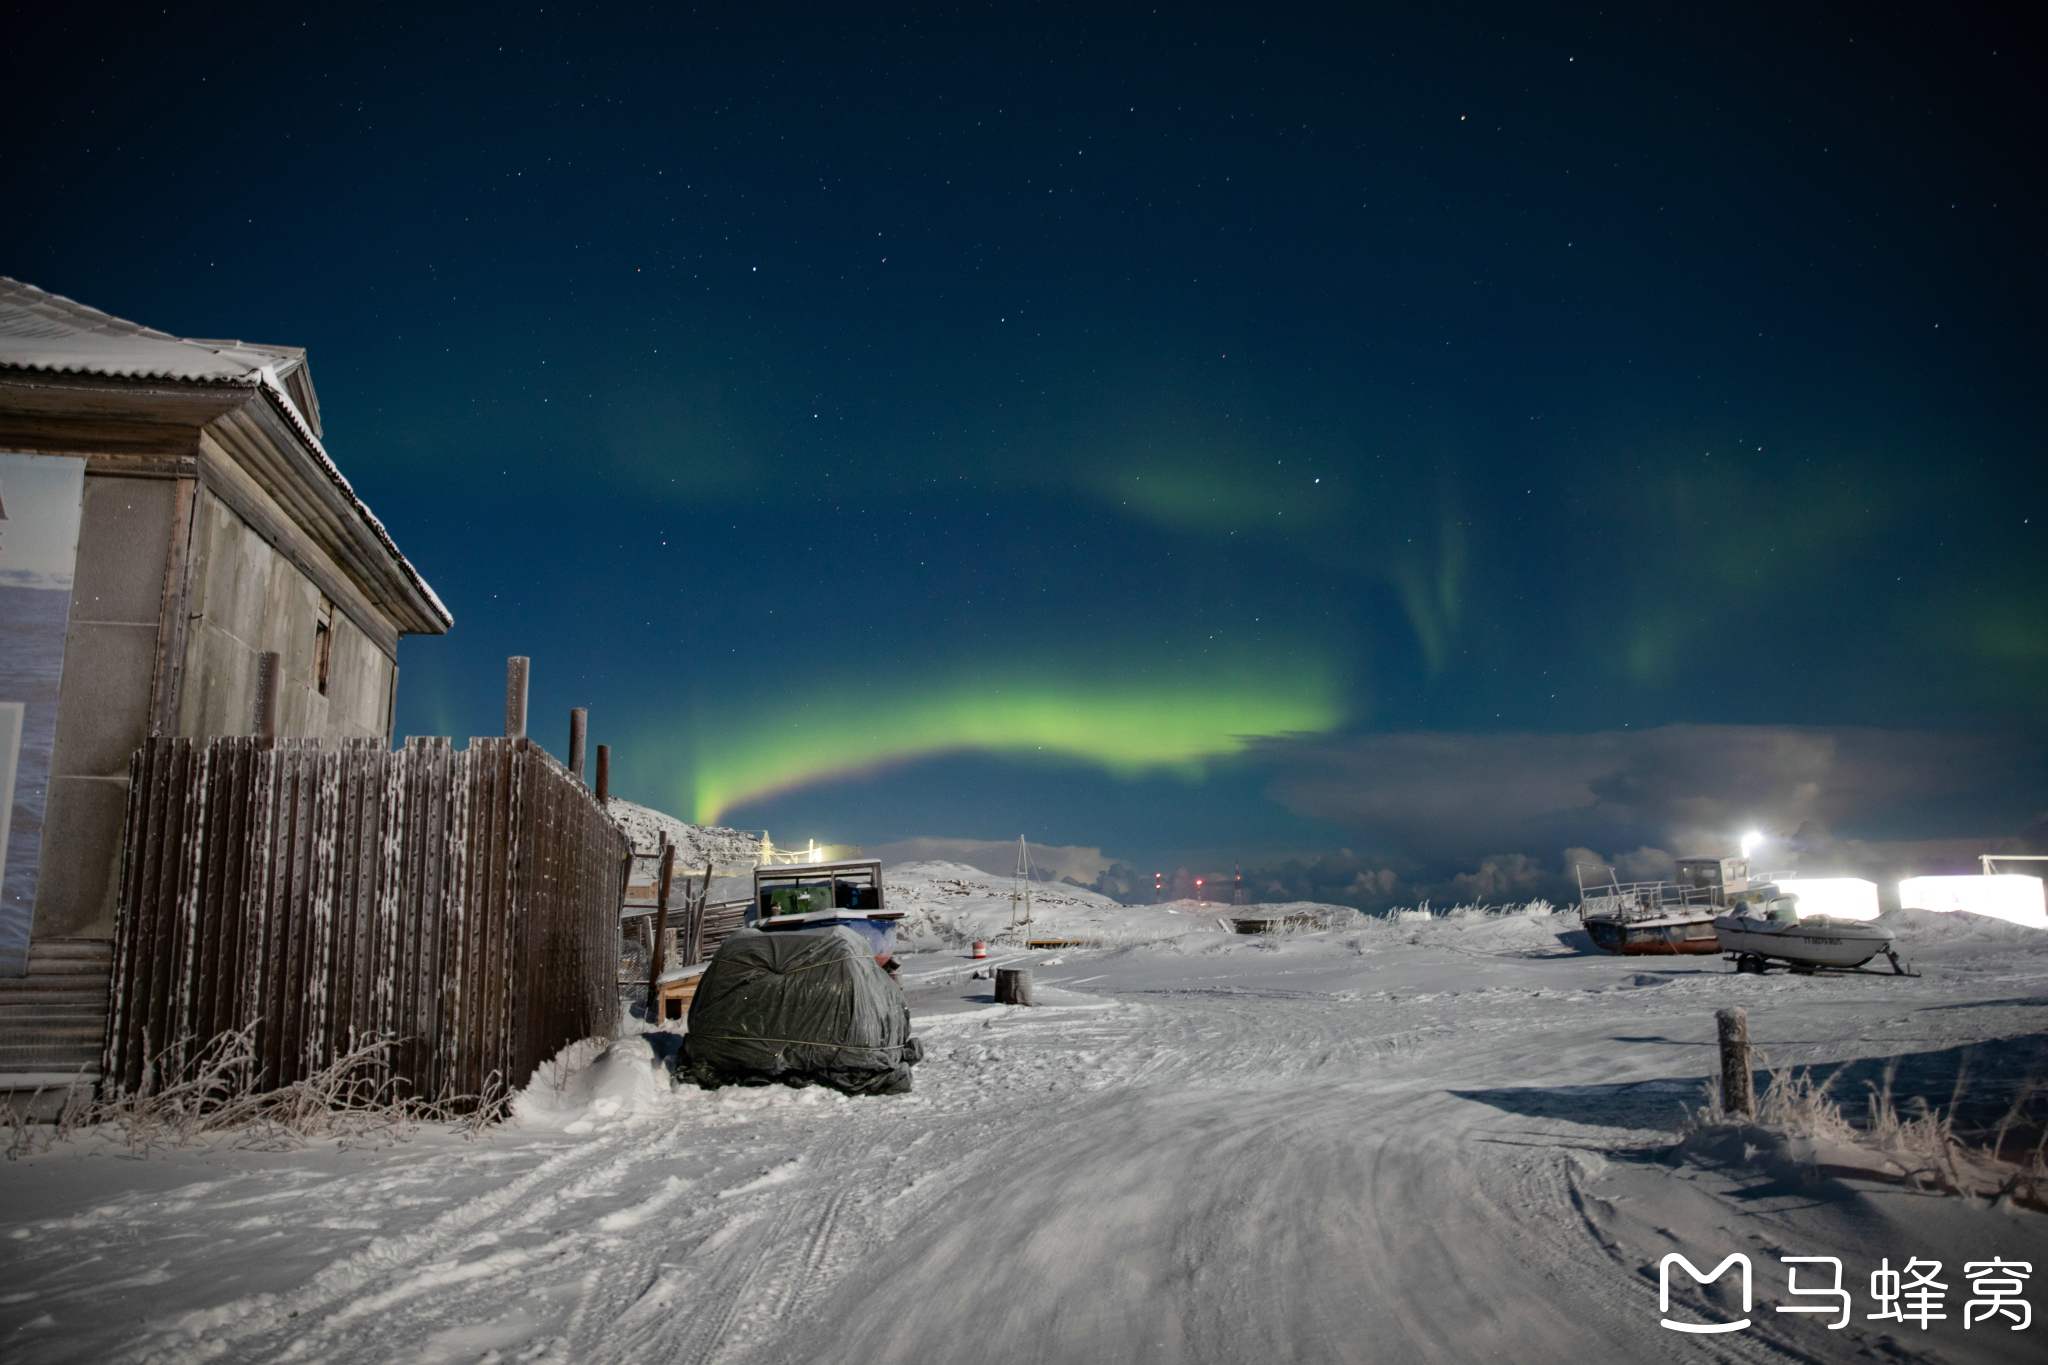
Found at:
<point>1737,1096</point>
<point>516,669</point>
<point>693,950</point>
<point>604,773</point>
<point>268,666</point>
<point>579,728</point>
<point>1013,985</point>
<point>668,872</point>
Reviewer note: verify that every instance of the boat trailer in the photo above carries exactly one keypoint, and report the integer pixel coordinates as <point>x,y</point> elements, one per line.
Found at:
<point>1759,964</point>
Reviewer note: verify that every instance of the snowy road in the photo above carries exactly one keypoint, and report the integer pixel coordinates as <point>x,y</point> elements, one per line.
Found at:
<point>1400,1143</point>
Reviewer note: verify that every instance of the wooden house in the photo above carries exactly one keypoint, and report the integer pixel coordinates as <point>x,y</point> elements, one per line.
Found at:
<point>168,514</point>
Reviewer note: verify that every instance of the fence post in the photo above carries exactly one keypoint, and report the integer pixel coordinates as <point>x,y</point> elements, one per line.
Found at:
<point>668,872</point>
<point>516,669</point>
<point>1737,1096</point>
<point>267,669</point>
<point>697,917</point>
<point>604,773</point>
<point>579,726</point>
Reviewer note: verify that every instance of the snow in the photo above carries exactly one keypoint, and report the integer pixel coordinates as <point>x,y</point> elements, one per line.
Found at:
<point>587,1086</point>
<point>1446,1138</point>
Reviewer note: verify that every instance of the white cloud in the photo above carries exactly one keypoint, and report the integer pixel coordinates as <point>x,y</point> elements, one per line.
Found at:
<point>1688,788</point>
<point>1503,877</point>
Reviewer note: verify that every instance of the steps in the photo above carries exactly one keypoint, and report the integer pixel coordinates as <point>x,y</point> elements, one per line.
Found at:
<point>53,1024</point>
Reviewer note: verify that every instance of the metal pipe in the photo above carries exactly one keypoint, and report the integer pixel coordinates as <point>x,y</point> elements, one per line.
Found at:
<point>579,726</point>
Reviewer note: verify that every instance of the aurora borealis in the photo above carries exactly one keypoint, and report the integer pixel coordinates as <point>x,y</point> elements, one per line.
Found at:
<point>1192,435</point>
<point>1163,720</point>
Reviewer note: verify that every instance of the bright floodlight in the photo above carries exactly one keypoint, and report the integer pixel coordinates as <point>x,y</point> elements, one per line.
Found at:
<point>2007,896</point>
<point>1840,897</point>
<point>1750,841</point>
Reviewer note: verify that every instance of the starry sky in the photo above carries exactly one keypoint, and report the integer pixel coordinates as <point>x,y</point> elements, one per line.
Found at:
<point>1402,451</point>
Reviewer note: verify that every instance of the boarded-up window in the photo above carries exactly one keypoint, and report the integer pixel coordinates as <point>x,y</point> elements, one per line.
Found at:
<point>323,643</point>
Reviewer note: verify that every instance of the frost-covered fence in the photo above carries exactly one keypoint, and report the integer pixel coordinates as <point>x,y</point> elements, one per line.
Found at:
<point>464,903</point>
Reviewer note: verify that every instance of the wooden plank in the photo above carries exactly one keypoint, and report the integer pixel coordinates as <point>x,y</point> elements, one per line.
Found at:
<point>282,1009</point>
<point>167,675</point>
<point>255,929</point>
<point>373,759</point>
<point>698,905</point>
<point>406,900</point>
<point>668,871</point>
<point>380,964</point>
<point>529,937</point>
<point>523,923</point>
<point>182,950</point>
<point>115,1072</point>
<point>470,886</point>
<point>167,809</point>
<point>205,927</point>
<point>242,888</point>
<point>323,910</point>
<point>348,836</point>
<point>436,809</point>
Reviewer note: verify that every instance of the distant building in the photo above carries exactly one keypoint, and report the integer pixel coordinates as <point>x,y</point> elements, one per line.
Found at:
<point>167,513</point>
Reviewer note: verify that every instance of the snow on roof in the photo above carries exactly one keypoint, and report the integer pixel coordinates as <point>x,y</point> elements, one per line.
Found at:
<point>44,331</point>
<point>50,333</point>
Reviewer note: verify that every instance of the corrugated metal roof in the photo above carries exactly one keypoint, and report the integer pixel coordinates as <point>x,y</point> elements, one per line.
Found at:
<point>44,331</point>
<point>48,332</point>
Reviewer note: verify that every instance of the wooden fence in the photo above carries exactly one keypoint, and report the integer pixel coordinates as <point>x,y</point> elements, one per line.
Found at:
<point>462,902</point>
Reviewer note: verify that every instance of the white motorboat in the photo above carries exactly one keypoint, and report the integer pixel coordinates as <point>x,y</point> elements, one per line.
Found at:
<point>1806,943</point>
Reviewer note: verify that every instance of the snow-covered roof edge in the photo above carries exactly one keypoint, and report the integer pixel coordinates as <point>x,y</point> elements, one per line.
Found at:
<point>274,387</point>
<point>236,364</point>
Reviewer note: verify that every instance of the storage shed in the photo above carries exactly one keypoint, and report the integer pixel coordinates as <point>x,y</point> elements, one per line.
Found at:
<point>168,513</point>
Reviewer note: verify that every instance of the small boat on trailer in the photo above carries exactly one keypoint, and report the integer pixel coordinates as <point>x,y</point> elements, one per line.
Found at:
<point>1809,944</point>
<point>1662,919</point>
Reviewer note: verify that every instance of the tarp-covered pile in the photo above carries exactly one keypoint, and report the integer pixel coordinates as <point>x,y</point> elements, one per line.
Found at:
<point>808,1007</point>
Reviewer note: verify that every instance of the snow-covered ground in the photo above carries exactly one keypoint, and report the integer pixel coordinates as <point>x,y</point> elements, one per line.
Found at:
<point>1431,1140</point>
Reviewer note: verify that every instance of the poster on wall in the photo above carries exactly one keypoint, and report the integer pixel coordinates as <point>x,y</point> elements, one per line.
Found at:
<point>40,496</point>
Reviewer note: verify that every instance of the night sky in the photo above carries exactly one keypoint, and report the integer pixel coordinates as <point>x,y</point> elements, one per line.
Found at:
<point>1389,448</point>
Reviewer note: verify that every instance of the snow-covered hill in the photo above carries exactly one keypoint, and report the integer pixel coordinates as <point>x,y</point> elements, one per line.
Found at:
<point>694,843</point>
<point>948,904</point>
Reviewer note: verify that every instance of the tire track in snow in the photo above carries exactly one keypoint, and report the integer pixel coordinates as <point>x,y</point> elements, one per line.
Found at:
<point>204,1334</point>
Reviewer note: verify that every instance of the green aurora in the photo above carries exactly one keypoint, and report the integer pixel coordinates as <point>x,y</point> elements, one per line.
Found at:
<point>1171,722</point>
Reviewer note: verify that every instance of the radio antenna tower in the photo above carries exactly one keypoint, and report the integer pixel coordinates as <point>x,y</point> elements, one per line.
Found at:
<point>1020,896</point>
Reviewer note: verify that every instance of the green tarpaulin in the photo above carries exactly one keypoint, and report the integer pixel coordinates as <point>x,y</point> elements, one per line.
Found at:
<point>801,1007</point>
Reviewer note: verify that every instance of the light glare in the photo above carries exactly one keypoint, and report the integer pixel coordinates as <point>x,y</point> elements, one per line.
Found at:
<point>1838,897</point>
<point>2007,896</point>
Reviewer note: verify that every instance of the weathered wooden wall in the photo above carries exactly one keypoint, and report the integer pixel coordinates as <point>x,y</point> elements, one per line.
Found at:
<point>464,902</point>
